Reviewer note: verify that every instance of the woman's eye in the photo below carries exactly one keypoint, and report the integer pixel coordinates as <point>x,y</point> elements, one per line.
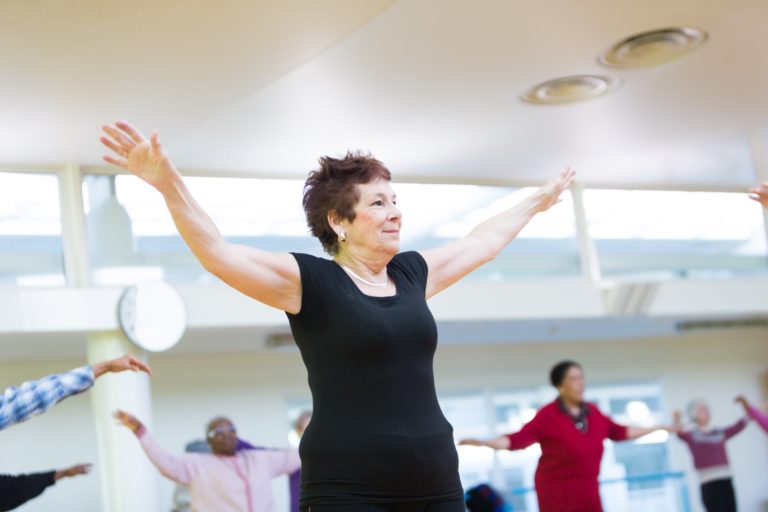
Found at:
<point>378,203</point>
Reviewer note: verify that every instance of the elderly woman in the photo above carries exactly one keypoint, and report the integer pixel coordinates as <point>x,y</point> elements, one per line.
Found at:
<point>571,434</point>
<point>378,440</point>
<point>707,445</point>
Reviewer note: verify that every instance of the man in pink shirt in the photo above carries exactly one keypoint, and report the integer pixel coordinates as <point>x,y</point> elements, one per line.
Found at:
<point>227,479</point>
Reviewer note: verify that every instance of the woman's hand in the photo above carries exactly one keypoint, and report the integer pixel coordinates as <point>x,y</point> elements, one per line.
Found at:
<point>143,157</point>
<point>499,443</point>
<point>127,420</point>
<point>472,442</point>
<point>549,193</point>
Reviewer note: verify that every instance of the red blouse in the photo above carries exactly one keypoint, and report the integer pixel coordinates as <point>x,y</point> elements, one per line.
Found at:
<point>566,478</point>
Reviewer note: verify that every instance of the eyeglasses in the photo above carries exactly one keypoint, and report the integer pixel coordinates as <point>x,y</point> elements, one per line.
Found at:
<point>224,429</point>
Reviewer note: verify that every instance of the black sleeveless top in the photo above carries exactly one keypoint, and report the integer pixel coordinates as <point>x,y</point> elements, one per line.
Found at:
<point>377,433</point>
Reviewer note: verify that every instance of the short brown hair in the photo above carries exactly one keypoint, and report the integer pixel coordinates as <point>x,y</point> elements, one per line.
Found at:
<point>333,187</point>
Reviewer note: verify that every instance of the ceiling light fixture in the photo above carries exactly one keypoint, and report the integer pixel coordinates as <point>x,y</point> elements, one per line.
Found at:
<point>570,88</point>
<point>653,47</point>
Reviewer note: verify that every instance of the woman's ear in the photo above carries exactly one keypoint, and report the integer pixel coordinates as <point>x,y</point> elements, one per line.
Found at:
<point>334,220</point>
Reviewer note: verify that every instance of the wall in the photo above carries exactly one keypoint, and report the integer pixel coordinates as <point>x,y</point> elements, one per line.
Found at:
<point>252,389</point>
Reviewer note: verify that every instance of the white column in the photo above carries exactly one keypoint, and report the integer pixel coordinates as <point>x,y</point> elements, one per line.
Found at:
<point>128,480</point>
<point>76,261</point>
<point>590,264</point>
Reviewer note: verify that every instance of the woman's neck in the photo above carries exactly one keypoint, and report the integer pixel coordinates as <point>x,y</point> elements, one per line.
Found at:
<point>569,403</point>
<point>371,267</point>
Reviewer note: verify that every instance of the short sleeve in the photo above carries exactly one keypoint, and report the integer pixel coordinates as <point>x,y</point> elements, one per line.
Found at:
<point>414,266</point>
<point>313,274</point>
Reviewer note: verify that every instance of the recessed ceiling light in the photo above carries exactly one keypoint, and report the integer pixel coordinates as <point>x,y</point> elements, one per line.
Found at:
<point>570,88</point>
<point>653,47</point>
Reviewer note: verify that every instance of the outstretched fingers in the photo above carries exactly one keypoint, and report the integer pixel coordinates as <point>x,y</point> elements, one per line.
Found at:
<point>120,162</point>
<point>138,365</point>
<point>131,131</point>
<point>119,137</point>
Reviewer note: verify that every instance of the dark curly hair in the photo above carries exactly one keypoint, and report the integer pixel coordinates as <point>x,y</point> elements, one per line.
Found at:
<point>333,187</point>
<point>557,375</point>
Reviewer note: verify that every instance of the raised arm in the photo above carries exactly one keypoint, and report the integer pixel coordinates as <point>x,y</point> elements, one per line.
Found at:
<point>35,397</point>
<point>280,462</point>
<point>759,416</point>
<point>528,435</point>
<point>16,490</point>
<point>449,263</point>
<point>497,443</point>
<point>270,278</point>
<point>179,469</point>
<point>737,427</point>
<point>635,432</point>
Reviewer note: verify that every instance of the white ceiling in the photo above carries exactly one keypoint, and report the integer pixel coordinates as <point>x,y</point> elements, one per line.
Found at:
<point>430,87</point>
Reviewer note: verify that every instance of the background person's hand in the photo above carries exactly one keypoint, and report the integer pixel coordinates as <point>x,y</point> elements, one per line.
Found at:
<point>127,420</point>
<point>143,157</point>
<point>121,364</point>
<point>471,442</point>
<point>77,469</point>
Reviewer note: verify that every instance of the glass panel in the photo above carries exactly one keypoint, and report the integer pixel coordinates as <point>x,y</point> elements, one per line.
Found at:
<point>133,236</point>
<point>468,415</point>
<point>547,247</point>
<point>641,233</point>
<point>31,248</point>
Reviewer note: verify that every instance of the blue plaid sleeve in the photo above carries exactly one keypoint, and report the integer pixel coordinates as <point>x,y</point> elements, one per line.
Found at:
<point>35,397</point>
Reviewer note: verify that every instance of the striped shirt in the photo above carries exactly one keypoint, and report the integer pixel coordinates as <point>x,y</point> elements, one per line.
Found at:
<point>708,449</point>
<point>37,396</point>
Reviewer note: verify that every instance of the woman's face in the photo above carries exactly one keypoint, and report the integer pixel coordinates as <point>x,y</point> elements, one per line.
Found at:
<point>572,387</point>
<point>377,220</point>
<point>702,415</point>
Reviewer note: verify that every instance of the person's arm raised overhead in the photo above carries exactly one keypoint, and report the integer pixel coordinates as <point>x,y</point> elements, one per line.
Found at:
<point>270,278</point>
<point>17,404</point>
<point>180,469</point>
<point>449,263</point>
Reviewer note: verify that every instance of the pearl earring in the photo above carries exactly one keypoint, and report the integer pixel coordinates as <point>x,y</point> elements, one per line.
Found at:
<point>342,237</point>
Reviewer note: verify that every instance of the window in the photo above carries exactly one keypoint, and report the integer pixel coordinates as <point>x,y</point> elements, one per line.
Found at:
<point>31,248</point>
<point>642,233</point>
<point>131,233</point>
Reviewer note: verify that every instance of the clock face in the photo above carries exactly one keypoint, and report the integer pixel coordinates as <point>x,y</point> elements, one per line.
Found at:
<point>152,315</point>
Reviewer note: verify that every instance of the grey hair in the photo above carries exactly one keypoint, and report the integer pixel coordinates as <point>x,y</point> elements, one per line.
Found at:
<point>693,406</point>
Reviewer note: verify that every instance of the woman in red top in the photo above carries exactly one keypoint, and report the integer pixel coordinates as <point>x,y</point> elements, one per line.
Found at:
<point>571,433</point>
